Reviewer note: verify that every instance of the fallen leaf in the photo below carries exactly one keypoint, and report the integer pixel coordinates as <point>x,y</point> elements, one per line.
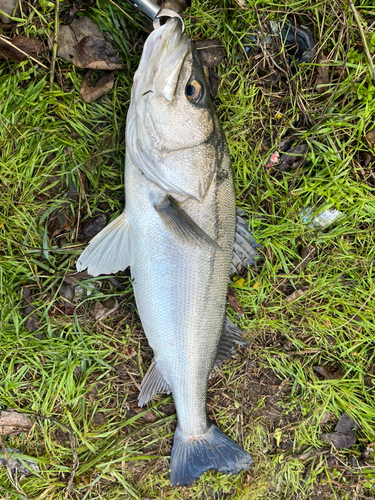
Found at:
<point>98,419</point>
<point>242,4</point>
<point>91,227</point>
<point>211,52</point>
<point>176,5</point>
<point>94,53</point>
<point>90,93</point>
<point>370,136</point>
<point>293,157</point>
<point>293,296</point>
<point>149,417</point>
<point>67,292</point>
<point>340,440</point>
<point>32,322</point>
<point>213,83</point>
<point>31,46</point>
<point>70,35</point>
<point>8,7</point>
<point>60,221</point>
<point>102,311</point>
<point>346,424</point>
<point>322,77</point>
<point>344,435</point>
<point>307,254</point>
<point>15,466</point>
<point>321,417</point>
<point>130,351</point>
<point>13,423</point>
<point>233,301</point>
<point>328,372</point>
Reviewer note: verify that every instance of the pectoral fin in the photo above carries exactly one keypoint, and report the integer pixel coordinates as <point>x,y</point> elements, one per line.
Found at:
<point>245,247</point>
<point>178,222</point>
<point>110,251</point>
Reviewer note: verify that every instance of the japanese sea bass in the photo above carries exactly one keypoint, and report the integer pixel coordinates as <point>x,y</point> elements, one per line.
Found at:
<point>177,235</point>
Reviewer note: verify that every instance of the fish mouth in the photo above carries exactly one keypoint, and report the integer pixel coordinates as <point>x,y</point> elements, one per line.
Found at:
<point>164,39</point>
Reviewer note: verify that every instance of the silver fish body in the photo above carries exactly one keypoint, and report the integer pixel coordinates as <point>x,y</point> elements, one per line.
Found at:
<point>180,220</point>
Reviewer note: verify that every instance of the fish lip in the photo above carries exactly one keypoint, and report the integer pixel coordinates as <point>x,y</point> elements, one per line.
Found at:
<point>164,35</point>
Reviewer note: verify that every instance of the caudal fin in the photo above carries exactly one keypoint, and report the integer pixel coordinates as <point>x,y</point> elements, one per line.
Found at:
<point>214,451</point>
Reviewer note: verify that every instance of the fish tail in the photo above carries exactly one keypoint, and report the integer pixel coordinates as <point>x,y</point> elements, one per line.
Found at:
<point>214,450</point>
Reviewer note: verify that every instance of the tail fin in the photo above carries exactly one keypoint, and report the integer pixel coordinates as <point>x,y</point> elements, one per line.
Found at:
<point>213,451</point>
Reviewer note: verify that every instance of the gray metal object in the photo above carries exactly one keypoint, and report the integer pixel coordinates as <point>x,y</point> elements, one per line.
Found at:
<point>155,12</point>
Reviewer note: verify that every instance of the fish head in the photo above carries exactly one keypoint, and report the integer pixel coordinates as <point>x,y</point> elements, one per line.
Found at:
<point>171,113</point>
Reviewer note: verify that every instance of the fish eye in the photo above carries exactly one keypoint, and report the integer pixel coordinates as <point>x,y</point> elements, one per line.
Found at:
<point>194,91</point>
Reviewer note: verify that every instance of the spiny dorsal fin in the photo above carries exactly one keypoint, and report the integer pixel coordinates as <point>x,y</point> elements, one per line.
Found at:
<point>245,247</point>
<point>182,225</point>
<point>152,383</point>
<point>230,336</point>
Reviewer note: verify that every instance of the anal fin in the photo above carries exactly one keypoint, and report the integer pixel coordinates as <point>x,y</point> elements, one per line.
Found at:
<point>245,247</point>
<point>152,383</point>
<point>109,251</point>
<point>176,220</point>
<point>230,336</point>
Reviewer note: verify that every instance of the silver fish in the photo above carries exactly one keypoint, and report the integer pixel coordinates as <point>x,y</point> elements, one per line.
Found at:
<point>177,234</point>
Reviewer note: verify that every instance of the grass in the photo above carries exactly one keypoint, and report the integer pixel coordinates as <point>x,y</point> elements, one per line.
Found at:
<point>80,379</point>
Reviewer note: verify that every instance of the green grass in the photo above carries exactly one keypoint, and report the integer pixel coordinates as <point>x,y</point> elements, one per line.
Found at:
<point>267,396</point>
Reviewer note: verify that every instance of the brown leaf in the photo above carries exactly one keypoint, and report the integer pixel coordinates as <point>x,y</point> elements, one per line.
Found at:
<point>32,322</point>
<point>242,4</point>
<point>307,255</point>
<point>130,351</point>
<point>91,227</point>
<point>293,296</point>
<point>370,136</point>
<point>149,417</point>
<point>176,5</point>
<point>8,7</point>
<point>340,440</point>
<point>102,311</point>
<point>98,419</point>
<point>30,46</point>
<point>211,52</point>
<point>346,424</point>
<point>70,35</point>
<point>101,87</point>
<point>12,423</point>
<point>327,372</point>
<point>94,53</point>
<point>233,301</point>
<point>59,221</point>
<point>293,157</point>
<point>322,78</point>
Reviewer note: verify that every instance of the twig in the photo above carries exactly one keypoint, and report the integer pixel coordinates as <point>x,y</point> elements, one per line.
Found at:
<point>361,32</point>
<point>75,464</point>
<point>54,49</point>
<point>22,52</point>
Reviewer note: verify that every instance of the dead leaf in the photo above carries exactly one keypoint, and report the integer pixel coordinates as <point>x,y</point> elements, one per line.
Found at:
<point>307,255</point>
<point>213,83</point>
<point>130,351</point>
<point>242,4</point>
<point>70,35</point>
<point>211,52</point>
<point>344,435</point>
<point>67,292</point>
<point>98,419</point>
<point>346,424</point>
<point>101,87</point>
<point>293,296</point>
<point>13,423</point>
<point>293,157</point>
<point>31,46</point>
<point>15,466</point>
<point>32,322</point>
<point>7,6</point>
<point>91,227</point>
<point>94,53</point>
<point>60,221</point>
<point>176,5</point>
<point>233,301</point>
<point>102,311</point>
<point>321,417</point>
<point>370,136</point>
<point>149,417</point>
<point>328,372</point>
<point>322,77</point>
<point>340,440</point>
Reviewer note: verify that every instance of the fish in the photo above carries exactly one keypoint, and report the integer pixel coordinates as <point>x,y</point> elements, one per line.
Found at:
<point>177,234</point>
